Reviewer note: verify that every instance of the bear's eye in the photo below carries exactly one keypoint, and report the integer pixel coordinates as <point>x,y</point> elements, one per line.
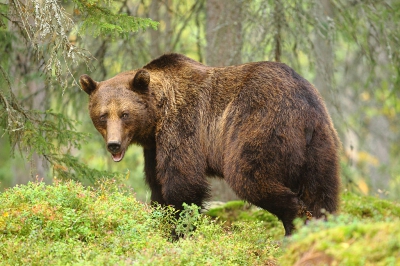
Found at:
<point>124,116</point>
<point>103,118</point>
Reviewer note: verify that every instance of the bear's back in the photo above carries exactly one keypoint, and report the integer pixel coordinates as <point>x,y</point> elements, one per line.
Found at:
<point>264,83</point>
<point>172,61</point>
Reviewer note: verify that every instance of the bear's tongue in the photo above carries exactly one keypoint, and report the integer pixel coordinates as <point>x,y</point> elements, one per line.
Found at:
<point>118,156</point>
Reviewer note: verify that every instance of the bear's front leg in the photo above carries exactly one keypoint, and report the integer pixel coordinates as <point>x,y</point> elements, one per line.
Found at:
<point>150,165</point>
<point>182,177</point>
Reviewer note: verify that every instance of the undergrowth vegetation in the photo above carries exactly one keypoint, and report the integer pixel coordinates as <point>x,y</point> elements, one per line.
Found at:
<point>67,223</point>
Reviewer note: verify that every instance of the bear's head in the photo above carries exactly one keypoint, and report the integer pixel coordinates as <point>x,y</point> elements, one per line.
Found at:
<point>120,110</point>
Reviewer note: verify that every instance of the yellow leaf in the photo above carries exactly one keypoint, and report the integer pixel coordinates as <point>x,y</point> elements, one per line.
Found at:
<point>362,185</point>
<point>365,96</point>
<point>368,158</point>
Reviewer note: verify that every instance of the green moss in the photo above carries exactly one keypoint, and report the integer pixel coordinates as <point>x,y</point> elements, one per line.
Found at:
<point>229,211</point>
<point>241,211</point>
<point>351,244</point>
<point>367,207</point>
<point>235,211</point>
<point>365,232</point>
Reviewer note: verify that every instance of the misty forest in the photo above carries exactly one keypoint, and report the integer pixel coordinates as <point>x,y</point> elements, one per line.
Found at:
<point>63,200</point>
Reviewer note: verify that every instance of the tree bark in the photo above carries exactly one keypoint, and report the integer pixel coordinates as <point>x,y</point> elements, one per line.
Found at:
<point>224,32</point>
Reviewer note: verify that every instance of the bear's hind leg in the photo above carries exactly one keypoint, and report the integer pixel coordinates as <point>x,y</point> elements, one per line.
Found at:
<point>274,198</point>
<point>320,180</point>
<point>285,205</point>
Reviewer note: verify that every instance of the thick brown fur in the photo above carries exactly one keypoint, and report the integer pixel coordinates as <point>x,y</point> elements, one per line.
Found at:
<point>260,126</point>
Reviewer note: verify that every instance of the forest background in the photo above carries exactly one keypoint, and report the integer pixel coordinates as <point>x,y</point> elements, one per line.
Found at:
<point>348,49</point>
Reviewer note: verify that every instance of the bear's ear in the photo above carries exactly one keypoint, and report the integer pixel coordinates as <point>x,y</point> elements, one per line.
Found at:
<point>87,84</point>
<point>141,81</point>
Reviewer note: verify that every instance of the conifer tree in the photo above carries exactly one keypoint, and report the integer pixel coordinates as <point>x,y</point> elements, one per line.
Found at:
<point>40,31</point>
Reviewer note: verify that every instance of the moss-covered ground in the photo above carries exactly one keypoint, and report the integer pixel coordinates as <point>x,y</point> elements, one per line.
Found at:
<point>69,224</point>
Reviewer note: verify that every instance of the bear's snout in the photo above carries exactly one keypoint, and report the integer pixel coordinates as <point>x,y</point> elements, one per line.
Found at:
<point>114,147</point>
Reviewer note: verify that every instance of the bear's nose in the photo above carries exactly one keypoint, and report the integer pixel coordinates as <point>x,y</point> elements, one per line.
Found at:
<point>114,146</point>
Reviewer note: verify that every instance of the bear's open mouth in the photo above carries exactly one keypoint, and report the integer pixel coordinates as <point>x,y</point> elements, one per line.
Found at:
<point>118,156</point>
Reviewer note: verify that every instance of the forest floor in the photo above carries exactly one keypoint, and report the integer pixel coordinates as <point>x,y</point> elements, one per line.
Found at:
<point>67,223</point>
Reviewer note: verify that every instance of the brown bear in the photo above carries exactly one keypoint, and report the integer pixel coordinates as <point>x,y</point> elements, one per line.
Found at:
<point>260,126</point>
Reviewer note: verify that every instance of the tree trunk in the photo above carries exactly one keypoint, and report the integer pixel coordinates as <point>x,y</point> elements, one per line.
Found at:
<point>155,50</point>
<point>224,32</point>
<point>23,70</point>
<point>324,54</point>
<point>345,103</point>
<point>224,45</point>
